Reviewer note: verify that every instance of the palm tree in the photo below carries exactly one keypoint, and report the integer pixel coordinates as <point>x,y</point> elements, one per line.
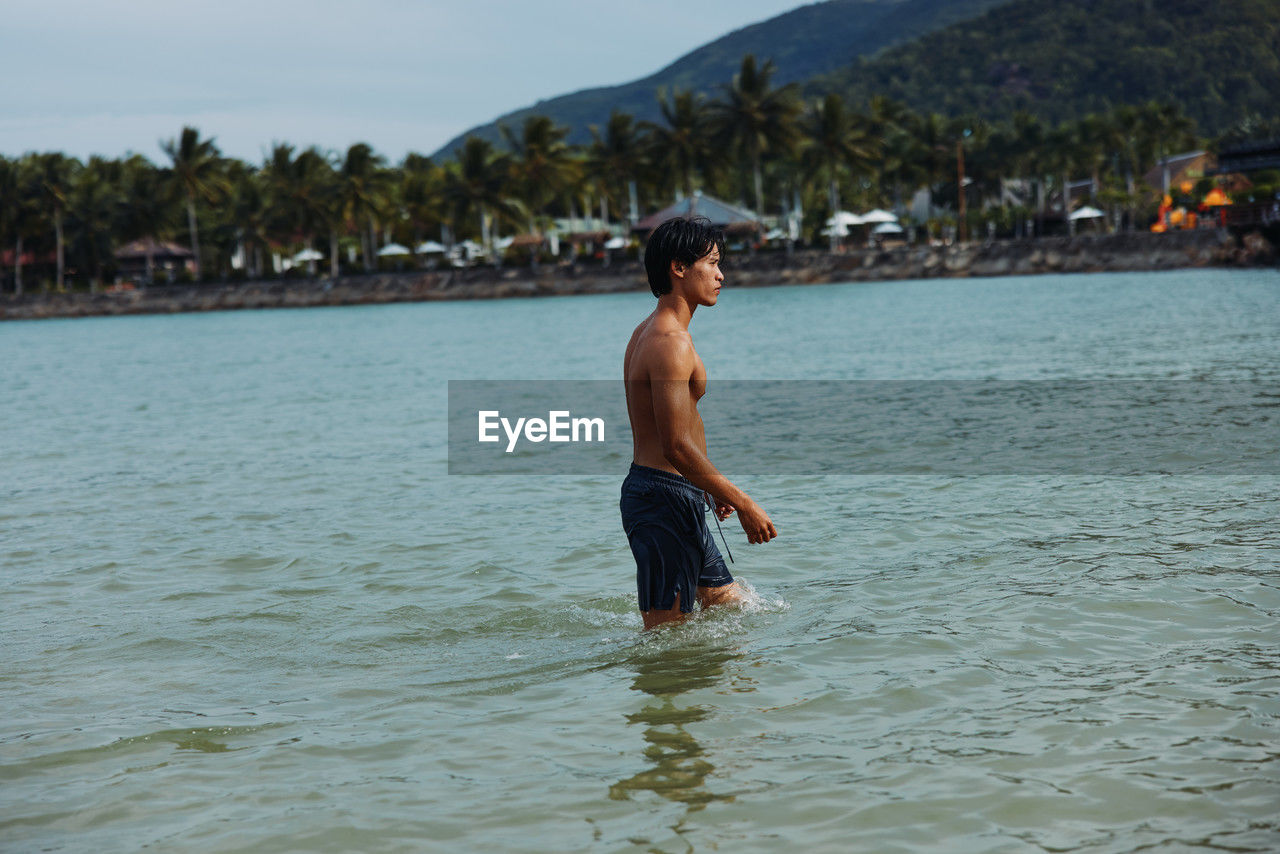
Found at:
<point>682,145</point>
<point>1024,142</point>
<point>755,118</point>
<point>1130,149</point>
<point>94,207</point>
<point>150,209</point>
<point>422,193</point>
<point>1061,158</point>
<point>616,157</point>
<point>364,188</point>
<point>1094,139</point>
<point>890,125</point>
<point>476,184</point>
<point>306,192</point>
<point>835,139</point>
<point>1166,127</point>
<point>249,216</point>
<point>974,165</point>
<point>10,212</point>
<point>26,210</point>
<point>196,169</point>
<point>53,174</point>
<point>936,144</point>
<point>541,164</point>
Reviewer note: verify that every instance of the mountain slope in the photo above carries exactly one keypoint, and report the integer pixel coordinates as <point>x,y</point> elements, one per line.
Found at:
<point>1060,59</point>
<point>804,42</point>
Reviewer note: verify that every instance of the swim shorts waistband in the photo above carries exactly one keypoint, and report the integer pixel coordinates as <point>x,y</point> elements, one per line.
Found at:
<point>642,474</point>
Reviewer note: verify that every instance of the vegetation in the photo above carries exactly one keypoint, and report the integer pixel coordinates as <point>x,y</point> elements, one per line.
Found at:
<point>1033,96</point>
<point>195,169</point>
<point>810,40</point>
<point>1065,58</point>
<point>779,148</point>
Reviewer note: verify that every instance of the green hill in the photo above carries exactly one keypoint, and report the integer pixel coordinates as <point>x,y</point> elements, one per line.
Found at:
<point>804,42</point>
<point>1059,59</point>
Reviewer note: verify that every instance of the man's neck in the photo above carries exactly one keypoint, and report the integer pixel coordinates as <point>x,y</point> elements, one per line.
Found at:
<point>676,306</point>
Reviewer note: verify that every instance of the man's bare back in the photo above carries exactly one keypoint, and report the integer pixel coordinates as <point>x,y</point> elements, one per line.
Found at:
<point>665,378</point>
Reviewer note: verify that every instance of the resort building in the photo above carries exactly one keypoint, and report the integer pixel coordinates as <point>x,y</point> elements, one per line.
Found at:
<point>143,259</point>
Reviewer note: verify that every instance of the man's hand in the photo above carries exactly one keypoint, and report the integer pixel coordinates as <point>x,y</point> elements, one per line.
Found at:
<point>756,523</point>
<point>723,511</point>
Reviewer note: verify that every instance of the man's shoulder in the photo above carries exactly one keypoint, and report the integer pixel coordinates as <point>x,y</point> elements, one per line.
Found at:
<point>665,343</point>
<point>664,353</point>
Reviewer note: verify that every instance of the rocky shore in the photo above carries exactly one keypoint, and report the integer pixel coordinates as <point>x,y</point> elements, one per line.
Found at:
<point>1080,254</point>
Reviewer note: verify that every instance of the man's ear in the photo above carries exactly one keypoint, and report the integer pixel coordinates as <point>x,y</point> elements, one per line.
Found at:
<point>677,268</point>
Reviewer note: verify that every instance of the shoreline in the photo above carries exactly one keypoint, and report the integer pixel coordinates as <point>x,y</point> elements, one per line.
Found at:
<point>1132,252</point>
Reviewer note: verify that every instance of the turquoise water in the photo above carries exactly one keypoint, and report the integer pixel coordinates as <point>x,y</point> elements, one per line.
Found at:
<point>246,609</point>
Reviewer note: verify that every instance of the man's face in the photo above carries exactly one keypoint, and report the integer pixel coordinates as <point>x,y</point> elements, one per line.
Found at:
<point>703,278</point>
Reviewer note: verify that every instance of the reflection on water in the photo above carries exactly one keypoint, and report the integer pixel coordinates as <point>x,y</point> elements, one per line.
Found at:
<point>679,763</point>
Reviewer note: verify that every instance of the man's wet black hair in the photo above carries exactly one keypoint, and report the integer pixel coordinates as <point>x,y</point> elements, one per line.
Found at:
<point>683,239</point>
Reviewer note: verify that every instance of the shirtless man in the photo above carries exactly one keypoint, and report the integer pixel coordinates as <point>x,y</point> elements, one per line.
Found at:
<point>663,509</point>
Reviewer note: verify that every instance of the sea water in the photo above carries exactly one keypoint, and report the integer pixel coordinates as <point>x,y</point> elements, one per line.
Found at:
<point>246,608</point>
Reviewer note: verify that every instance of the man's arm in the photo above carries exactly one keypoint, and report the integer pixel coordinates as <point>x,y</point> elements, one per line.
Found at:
<point>675,416</point>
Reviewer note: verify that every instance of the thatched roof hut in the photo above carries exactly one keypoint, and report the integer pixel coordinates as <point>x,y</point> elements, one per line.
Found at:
<point>733,219</point>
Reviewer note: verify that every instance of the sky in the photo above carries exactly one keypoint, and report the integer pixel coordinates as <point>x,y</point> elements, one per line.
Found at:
<point>106,77</point>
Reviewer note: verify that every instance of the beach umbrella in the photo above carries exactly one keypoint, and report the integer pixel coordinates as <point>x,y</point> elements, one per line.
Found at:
<point>1086,212</point>
<point>615,243</point>
<point>307,255</point>
<point>844,219</point>
<point>503,242</point>
<point>837,230</point>
<point>879,215</point>
<point>429,247</point>
<point>887,228</point>
<point>393,249</point>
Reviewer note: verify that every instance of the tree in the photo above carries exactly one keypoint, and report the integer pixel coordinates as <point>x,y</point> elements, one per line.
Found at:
<point>23,199</point>
<point>541,164</point>
<point>53,174</point>
<point>196,171</point>
<point>936,144</point>
<point>364,188</point>
<point>834,139</point>
<point>1024,147</point>
<point>616,157</point>
<point>422,193</point>
<point>476,184</point>
<point>755,119</point>
<point>974,165</point>
<point>249,215</point>
<point>307,194</point>
<point>899,150</point>
<point>1168,130</point>
<point>95,206</point>
<point>149,205</point>
<point>10,214</point>
<point>1061,159</point>
<point>1094,138</point>
<point>682,145</point>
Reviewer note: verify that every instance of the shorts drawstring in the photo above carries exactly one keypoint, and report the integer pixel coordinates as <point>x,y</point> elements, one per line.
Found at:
<point>711,505</point>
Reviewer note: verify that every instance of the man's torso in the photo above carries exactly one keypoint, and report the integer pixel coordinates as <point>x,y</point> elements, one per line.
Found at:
<point>638,369</point>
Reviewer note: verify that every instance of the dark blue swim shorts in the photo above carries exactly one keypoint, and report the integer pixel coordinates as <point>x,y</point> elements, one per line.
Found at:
<point>665,517</point>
